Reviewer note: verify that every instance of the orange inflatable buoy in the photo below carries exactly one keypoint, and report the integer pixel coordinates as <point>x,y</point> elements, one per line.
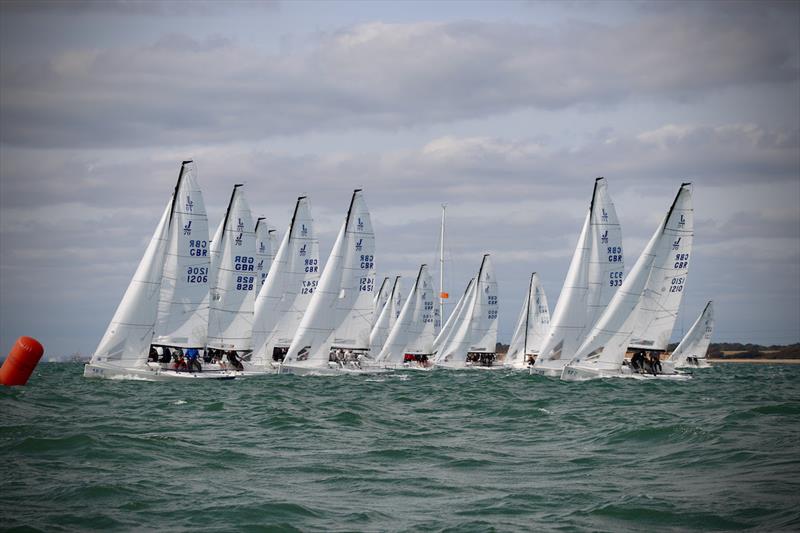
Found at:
<point>21,361</point>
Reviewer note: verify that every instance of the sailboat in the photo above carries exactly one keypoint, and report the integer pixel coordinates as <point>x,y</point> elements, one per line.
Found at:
<point>691,351</point>
<point>339,317</point>
<point>595,273</point>
<point>287,291</point>
<point>662,267</point>
<point>266,245</point>
<point>231,298</point>
<point>472,339</point>
<point>456,317</point>
<point>410,341</point>
<point>165,304</point>
<point>386,319</point>
<point>532,327</point>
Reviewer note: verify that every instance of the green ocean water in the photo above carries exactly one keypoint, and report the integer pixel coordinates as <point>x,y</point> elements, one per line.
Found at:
<point>411,451</point>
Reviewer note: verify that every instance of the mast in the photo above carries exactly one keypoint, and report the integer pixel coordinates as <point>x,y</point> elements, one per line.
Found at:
<point>441,269</point>
<point>527,319</point>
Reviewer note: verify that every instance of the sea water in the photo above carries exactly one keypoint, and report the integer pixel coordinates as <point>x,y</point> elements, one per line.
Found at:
<point>441,450</point>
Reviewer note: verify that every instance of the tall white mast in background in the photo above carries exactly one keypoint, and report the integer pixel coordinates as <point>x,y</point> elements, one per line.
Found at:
<point>441,269</point>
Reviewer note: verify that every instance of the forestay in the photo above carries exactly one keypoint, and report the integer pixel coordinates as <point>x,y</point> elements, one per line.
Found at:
<point>340,312</point>
<point>230,319</point>
<point>532,325</point>
<point>413,331</point>
<point>293,277</point>
<point>604,349</point>
<point>183,300</point>
<point>595,273</point>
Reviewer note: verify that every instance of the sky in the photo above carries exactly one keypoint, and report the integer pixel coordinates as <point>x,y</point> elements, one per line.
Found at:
<point>505,111</point>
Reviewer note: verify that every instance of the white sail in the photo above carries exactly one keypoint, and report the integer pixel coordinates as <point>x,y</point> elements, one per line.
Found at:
<point>658,309</point>
<point>128,336</point>
<point>379,300</point>
<point>340,311</point>
<point>292,280</point>
<point>694,344</point>
<point>449,327</point>
<point>182,310</point>
<point>532,326</point>
<point>594,274</point>
<point>386,319</point>
<point>413,331</point>
<point>604,349</point>
<point>265,251</point>
<point>477,332</point>
<point>230,316</point>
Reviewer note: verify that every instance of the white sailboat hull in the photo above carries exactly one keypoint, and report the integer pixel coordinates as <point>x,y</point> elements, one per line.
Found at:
<point>154,373</point>
<point>550,371</point>
<point>584,373</point>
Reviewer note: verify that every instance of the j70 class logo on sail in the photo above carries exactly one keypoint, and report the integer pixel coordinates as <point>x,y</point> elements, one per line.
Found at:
<point>682,221</point>
<point>238,240</point>
<point>189,204</point>
<point>187,229</point>
<point>604,237</point>
<point>240,225</point>
<point>303,230</point>
<point>359,245</point>
<point>676,244</point>
<point>261,248</point>
<point>302,251</point>
<point>604,215</point>
<point>360,224</point>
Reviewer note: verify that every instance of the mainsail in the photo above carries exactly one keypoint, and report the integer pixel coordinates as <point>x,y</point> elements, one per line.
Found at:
<point>292,280</point>
<point>340,312</point>
<point>413,331</point>
<point>477,330</point>
<point>182,309</point>
<point>695,342</point>
<point>595,273</point>
<point>604,348</point>
<point>128,336</point>
<point>532,325</point>
<point>230,318</point>
<point>386,319</point>
<point>658,308</point>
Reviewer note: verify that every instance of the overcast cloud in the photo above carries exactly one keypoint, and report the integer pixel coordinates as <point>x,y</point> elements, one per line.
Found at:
<point>505,117</point>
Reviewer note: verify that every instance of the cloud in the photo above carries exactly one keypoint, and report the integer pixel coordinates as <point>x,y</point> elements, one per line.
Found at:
<point>183,89</point>
<point>74,222</point>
